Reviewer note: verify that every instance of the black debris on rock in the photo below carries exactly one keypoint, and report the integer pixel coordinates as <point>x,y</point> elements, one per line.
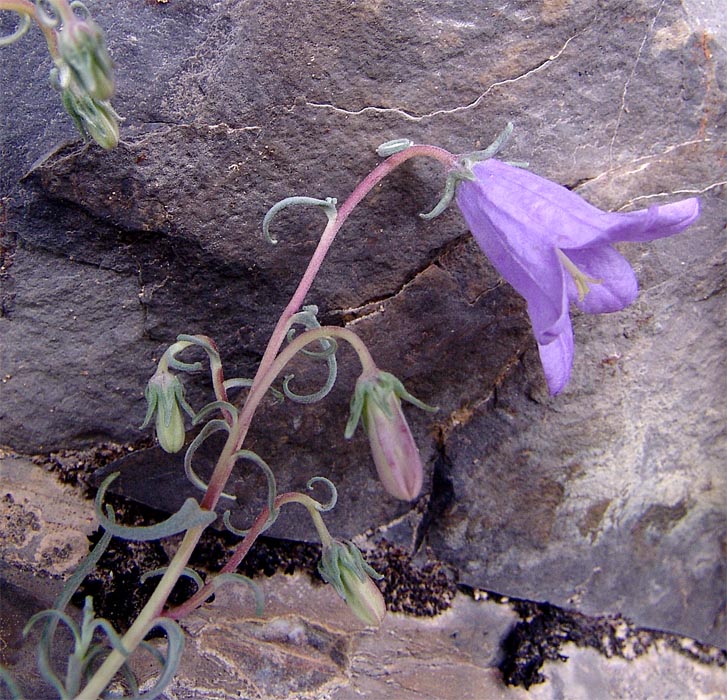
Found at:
<point>545,628</point>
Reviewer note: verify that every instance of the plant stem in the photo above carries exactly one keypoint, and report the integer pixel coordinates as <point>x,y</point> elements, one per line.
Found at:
<point>246,545</point>
<point>223,470</point>
<point>145,621</point>
<point>25,7</point>
<point>263,377</point>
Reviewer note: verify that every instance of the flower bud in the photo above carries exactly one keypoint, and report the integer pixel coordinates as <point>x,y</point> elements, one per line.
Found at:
<point>94,119</point>
<point>395,454</point>
<point>165,400</point>
<point>82,49</point>
<point>344,568</point>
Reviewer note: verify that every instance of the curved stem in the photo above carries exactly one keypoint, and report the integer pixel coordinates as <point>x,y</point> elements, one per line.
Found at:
<point>25,7</point>
<point>313,510</point>
<point>222,470</point>
<point>298,343</point>
<point>145,621</point>
<point>246,545</point>
<point>262,383</point>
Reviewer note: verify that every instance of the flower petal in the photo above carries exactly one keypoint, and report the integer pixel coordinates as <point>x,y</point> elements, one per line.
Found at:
<point>557,359</point>
<point>521,255</point>
<point>617,286</point>
<point>652,223</point>
<point>564,219</point>
<point>551,213</point>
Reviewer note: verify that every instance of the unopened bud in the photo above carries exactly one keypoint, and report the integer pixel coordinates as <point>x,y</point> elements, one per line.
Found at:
<point>94,119</point>
<point>82,48</point>
<point>165,400</point>
<point>344,568</point>
<point>395,454</point>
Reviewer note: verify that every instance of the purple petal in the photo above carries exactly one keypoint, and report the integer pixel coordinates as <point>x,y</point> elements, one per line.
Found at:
<point>652,223</point>
<point>548,212</point>
<point>528,262</point>
<point>557,360</point>
<point>563,218</point>
<point>617,287</point>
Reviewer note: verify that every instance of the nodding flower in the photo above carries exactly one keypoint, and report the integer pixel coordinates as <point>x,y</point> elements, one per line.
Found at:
<point>344,568</point>
<point>555,248</point>
<point>165,401</point>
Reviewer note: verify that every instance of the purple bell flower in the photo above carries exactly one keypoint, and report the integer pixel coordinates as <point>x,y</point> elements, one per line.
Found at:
<point>554,248</point>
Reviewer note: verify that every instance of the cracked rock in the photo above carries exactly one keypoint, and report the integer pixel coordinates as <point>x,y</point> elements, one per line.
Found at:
<point>607,499</point>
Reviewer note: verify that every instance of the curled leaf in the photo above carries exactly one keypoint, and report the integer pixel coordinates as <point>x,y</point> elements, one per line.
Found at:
<point>329,204</point>
<point>22,27</point>
<point>186,571</point>
<point>188,516</point>
<point>394,146</point>
<point>212,427</point>
<point>257,592</point>
<point>272,493</point>
<point>331,504</point>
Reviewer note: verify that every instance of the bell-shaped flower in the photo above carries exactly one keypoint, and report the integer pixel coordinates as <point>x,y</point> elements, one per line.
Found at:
<point>344,568</point>
<point>554,248</point>
<point>378,399</point>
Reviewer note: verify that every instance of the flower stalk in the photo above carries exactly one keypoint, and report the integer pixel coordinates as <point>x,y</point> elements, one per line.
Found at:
<point>269,368</point>
<point>333,226</point>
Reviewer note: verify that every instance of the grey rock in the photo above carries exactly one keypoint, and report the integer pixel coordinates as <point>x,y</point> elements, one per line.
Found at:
<point>609,498</point>
<point>307,642</point>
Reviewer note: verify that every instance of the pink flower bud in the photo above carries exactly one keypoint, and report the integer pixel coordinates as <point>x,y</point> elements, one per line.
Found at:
<point>395,453</point>
<point>397,459</point>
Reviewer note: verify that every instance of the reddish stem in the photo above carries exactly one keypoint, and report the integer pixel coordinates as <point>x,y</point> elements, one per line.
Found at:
<point>226,462</point>
<point>242,549</point>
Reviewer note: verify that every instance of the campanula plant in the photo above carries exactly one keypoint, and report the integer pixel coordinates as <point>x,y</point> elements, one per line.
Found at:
<point>550,244</point>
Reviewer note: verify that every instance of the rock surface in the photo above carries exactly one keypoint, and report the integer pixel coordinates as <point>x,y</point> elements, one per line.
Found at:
<point>307,643</point>
<point>608,498</point>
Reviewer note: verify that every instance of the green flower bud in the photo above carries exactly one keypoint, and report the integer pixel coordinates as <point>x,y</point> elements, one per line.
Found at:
<point>395,454</point>
<point>344,568</point>
<point>94,119</point>
<point>83,51</point>
<point>165,400</point>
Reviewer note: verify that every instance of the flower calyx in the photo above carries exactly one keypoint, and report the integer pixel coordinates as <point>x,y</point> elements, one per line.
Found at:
<point>463,171</point>
<point>95,119</point>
